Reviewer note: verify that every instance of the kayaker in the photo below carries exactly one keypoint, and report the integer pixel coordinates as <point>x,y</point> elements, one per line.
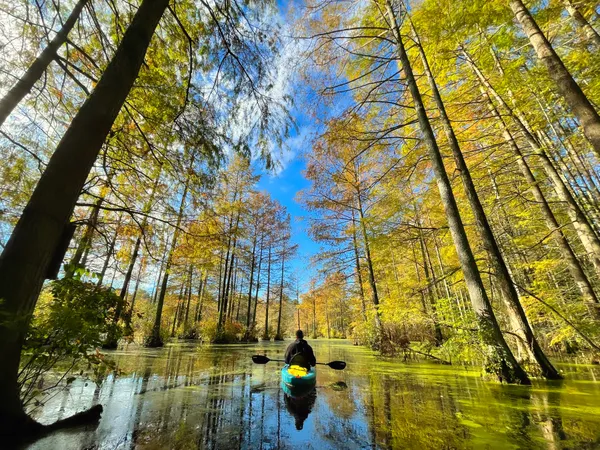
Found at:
<point>300,346</point>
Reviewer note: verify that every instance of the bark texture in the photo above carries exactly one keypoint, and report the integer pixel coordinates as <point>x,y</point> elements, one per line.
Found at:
<point>567,86</point>
<point>505,283</point>
<point>25,258</point>
<point>501,359</point>
<point>590,33</point>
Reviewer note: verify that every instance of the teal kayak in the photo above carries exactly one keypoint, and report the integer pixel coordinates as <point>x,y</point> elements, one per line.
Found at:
<point>298,379</point>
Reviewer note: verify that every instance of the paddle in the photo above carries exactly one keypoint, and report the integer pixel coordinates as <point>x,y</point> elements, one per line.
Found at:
<point>261,359</point>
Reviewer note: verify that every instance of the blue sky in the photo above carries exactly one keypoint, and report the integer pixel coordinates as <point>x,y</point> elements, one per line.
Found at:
<point>284,187</point>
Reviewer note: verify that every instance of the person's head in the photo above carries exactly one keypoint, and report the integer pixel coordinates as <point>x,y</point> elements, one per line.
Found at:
<point>299,334</point>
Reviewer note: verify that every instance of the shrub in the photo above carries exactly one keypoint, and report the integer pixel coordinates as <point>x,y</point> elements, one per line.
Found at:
<point>70,322</point>
<point>232,332</point>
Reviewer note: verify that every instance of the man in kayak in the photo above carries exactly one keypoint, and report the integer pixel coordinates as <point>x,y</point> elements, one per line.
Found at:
<point>300,346</point>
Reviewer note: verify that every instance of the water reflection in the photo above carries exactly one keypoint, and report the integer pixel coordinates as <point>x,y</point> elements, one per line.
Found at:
<point>187,396</point>
<point>299,404</point>
<point>547,416</point>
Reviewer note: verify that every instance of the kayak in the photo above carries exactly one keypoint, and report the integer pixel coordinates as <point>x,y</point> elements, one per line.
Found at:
<point>298,377</point>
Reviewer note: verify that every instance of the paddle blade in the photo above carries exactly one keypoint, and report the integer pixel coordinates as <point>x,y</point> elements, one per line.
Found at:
<point>337,365</point>
<point>260,359</point>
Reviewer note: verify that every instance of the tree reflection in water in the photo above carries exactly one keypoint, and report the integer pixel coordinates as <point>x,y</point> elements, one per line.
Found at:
<point>188,396</point>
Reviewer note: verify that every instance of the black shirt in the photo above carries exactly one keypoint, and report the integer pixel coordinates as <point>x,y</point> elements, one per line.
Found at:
<point>300,346</point>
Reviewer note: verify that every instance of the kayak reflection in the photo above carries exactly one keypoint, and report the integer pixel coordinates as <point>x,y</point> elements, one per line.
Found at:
<point>299,403</point>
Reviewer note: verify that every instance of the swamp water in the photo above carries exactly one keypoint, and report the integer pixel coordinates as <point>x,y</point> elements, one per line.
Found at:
<point>188,396</point>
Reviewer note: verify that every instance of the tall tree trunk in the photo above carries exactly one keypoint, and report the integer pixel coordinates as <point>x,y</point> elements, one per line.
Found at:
<point>314,333</point>
<point>224,311</point>
<point>223,277</point>
<point>278,336</point>
<point>369,261</point>
<point>266,332</point>
<point>567,86</point>
<point>575,268</point>
<point>137,286</point>
<point>138,242</point>
<point>155,340</point>
<point>590,33</point>
<point>25,258</point>
<point>109,254</point>
<point>502,360</point>
<point>232,286</point>
<point>160,274</point>
<point>231,242</point>
<point>252,263</point>
<point>418,273</point>
<point>580,222</point>
<point>177,315</point>
<point>201,289</point>
<point>505,283</point>
<point>189,299</point>
<point>439,338</point>
<point>14,96</point>
<point>240,296</point>
<point>111,341</point>
<point>359,280</point>
<point>86,240</point>
<point>258,273</point>
<point>219,280</point>
<point>342,315</point>
<point>327,318</point>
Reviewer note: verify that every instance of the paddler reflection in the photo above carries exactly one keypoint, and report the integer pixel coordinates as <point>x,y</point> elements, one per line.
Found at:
<point>299,404</point>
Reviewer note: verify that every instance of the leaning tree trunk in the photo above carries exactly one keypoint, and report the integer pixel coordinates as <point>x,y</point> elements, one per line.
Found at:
<point>575,268</point>
<point>14,96</point>
<point>580,222</point>
<point>590,33</point>
<point>501,359</point>
<point>567,86</point>
<point>24,260</point>
<point>505,283</point>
